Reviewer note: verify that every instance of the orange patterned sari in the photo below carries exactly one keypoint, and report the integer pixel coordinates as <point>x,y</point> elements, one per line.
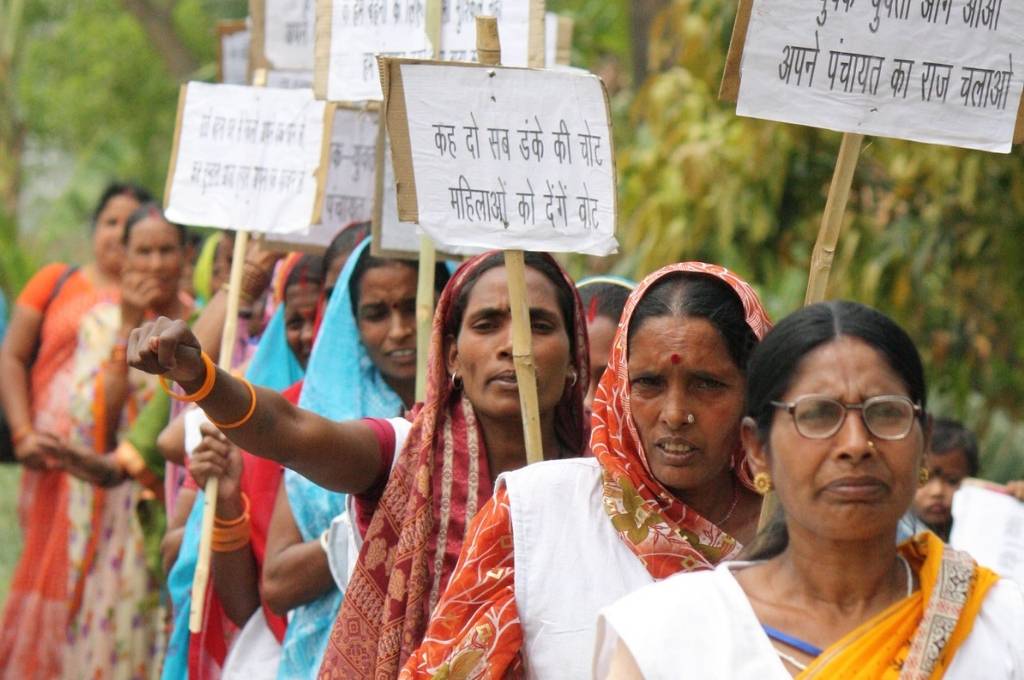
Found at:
<point>439,481</point>
<point>475,631</point>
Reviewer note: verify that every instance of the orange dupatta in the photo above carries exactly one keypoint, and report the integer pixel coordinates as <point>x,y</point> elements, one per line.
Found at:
<point>916,638</point>
<point>665,534</point>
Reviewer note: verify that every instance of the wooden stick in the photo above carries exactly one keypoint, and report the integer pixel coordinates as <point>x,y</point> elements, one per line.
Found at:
<point>825,250</point>
<point>227,346</point>
<point>424,312</point>
<point>488,50</point>
<point>832,220</point>
<point>428,254</point>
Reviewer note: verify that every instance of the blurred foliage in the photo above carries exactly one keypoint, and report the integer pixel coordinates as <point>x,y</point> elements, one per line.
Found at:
<point>930,235</point>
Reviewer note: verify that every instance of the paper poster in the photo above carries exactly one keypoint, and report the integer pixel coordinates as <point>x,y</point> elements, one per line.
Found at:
<point>288,38</point>
<point>458,29</point>
<point>234,53</point>
<point>937,71</point>
<point>246,158</point>
<point>990,526</point>
<point>391,236</point>
<point>357,31</point>
<point>503,158</point>
<point>349,186</point>
<point>289,80</point>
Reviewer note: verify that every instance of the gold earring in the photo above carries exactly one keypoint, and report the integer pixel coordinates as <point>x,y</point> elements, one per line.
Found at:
<point>763,483</point>
<point>923,476</point>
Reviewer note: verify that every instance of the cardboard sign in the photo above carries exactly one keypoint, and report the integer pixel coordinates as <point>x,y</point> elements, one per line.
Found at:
<point>503,158</point>
<point>391,236</point>
<point>352,33</point>
<point>233,47</point>
<point>288,33</point>
<point>246,158</point>
<point>990,526</point>
<point>936,71</point>
<point>289,80</point>
<point>350,181</point>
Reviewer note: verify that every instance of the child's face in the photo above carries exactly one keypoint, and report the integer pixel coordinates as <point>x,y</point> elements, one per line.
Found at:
<point>933,502</point>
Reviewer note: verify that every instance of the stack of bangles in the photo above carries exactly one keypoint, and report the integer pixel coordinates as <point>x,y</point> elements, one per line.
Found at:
<point>232,535</point>
<point>204,391</point>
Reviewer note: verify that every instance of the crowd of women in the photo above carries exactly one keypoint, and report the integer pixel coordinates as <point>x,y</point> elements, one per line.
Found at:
<point>360,534</point>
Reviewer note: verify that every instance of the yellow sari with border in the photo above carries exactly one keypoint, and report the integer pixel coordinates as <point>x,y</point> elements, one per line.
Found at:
<point>917,637</point>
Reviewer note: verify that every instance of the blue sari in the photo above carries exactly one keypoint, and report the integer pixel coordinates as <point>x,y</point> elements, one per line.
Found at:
<point>342,384</point>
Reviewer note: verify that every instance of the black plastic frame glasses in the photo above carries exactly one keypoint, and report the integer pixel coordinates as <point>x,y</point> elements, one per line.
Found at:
<point>873,412</point>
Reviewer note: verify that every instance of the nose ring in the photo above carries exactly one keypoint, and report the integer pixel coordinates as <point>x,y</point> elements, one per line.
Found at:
<point>871,444</point>
<point>690,419</point>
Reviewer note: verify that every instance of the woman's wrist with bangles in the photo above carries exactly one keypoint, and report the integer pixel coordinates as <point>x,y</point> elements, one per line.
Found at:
<point>230,535</point>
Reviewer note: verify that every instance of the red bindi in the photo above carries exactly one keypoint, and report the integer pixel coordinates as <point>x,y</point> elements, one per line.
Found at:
<point>676,358</point>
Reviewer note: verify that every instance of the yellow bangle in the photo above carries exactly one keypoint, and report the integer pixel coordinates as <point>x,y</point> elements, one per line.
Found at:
<point>248,414</point>
<point>204,391</point>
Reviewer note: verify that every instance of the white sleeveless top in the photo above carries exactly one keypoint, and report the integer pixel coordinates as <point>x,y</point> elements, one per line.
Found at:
<point>569,564</point>
<point>701,625</point>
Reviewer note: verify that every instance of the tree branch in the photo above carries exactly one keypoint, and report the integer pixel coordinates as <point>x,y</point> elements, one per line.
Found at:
<point>158,23</point>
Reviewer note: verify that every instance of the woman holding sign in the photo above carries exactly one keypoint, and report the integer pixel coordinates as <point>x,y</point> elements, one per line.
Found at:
<point>668,490</point>
<point>427,477</point>
<point>836,423</point>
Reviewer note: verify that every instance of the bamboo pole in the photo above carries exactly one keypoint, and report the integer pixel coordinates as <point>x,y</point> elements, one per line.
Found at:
<point>488,50</point>
<point>227,346</point>
<point>428,254</point>
<point>825,249</point>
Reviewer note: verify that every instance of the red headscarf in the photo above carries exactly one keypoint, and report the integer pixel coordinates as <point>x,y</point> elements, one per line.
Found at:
<point>439,482</point>
<point>665,534</point>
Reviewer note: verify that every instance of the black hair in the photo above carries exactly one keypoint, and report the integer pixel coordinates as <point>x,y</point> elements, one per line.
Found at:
<point>689,294</point>
<point>115,189</point>
<point>951,435</point>
<point>603,298</point>
<point>145,211</point>
<point>564,294</point>
<point>308,269</point>
<point>345,242</point>
<point>366,262</point>
<point>777,358</point>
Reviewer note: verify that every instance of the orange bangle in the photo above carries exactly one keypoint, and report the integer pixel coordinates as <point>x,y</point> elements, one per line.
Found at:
<point>19,435</point>
<point>248,414</point>
<point>230,540</point>
<point>244,517</point>
<point>204,391</point>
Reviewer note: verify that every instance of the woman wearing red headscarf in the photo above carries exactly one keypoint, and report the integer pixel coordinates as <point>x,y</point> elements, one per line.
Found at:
<point>668,490</point>
<point>416,488</point>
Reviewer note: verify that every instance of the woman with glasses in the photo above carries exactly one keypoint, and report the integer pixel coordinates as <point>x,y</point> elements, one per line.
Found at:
<point>836,424</point>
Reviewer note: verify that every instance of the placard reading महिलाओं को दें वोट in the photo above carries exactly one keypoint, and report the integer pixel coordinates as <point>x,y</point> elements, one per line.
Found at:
<point>937,71</point>
<point>360,30</point>
<point>490,157</point>
<point>246,158</point>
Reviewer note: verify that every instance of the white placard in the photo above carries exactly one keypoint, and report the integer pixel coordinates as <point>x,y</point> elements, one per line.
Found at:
<point>458,29</point>
<point>349,186</point>
<point>234,52</point>
<point>246,158</point>
<point>506,158</point>
<point>990,526</point>
<point>289,80</point>
<point>360,30</point>
<point>289,27</point>
<point>398,238</point>
<point>937,71</point>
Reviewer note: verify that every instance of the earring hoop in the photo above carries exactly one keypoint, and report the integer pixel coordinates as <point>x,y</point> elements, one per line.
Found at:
<point>763,483</point>
<point>456,381</point>
<point>574,377</point>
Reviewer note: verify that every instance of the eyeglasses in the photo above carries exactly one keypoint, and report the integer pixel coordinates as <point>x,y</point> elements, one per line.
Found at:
<point>888,416</point>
